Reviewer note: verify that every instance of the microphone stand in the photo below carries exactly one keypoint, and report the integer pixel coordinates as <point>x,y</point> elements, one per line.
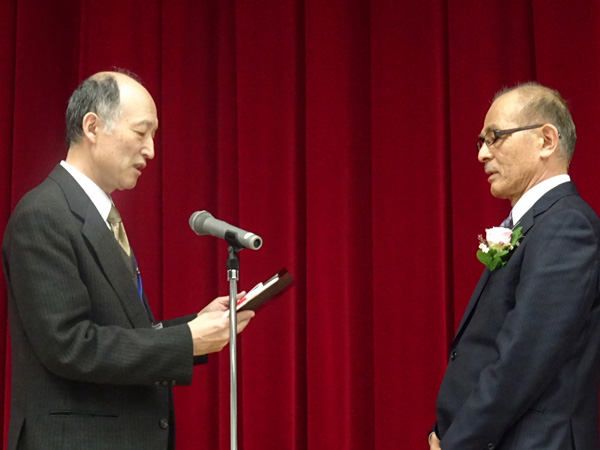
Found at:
<point>233,275</point>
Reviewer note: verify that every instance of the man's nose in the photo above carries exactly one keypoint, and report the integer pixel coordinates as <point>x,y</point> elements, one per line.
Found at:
<point>484,153</point>
<point>148,150</point>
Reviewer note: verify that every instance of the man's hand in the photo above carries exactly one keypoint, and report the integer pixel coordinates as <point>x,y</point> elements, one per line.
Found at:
<point>434,442</point>
<point>210,330</point>
<point>221,303</point>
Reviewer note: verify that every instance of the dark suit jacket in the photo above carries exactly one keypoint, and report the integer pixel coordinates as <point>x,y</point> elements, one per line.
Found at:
<point>89,371</point>
<point>524,365</point>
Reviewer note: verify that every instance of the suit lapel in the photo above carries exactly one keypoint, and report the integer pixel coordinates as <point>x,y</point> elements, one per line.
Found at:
<point>527,222</point>
<point>104,246</point>
<point>544,203</point>
<point>472,302</point>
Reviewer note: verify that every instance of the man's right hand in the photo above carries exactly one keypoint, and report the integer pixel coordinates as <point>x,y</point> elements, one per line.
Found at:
<point>434,442</point>
<point>210,330</point>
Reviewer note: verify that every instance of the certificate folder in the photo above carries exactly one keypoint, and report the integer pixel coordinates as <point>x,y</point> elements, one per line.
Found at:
<point>264,291</point>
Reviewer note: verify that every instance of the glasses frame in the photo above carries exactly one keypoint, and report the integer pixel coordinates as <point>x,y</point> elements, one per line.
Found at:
<point>499,133</point>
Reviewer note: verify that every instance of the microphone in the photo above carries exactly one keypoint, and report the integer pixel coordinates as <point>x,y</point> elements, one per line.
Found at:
<point>203,222</point>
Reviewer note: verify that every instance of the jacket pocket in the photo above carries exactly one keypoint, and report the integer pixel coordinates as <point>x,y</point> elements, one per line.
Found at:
<point>83,414</point>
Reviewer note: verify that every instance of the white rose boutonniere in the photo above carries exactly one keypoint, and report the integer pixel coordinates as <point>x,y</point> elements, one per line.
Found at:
<point>497,247</point>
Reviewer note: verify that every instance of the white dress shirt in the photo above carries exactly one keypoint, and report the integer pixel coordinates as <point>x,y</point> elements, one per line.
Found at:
<point>529,198</point>
<point>99,198</point>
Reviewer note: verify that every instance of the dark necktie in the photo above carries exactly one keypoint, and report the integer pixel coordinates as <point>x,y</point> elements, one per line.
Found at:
<point>508,222</point>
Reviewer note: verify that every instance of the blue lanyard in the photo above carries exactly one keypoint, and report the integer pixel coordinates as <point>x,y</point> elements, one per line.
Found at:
<point>139,277</point>
<point>156,326</point>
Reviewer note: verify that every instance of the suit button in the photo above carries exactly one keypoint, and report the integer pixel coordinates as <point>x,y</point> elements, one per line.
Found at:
<point>453,356</point>
<point>491,446</point>
<point>163,423</point>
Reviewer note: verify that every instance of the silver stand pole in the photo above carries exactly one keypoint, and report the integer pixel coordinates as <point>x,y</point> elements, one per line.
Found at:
<point>233,274</point>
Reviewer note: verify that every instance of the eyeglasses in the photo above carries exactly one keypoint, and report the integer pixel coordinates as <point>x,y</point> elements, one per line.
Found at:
<point>492,136</point>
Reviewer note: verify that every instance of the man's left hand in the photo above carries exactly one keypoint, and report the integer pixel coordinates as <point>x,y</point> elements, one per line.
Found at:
<point>221,303</point>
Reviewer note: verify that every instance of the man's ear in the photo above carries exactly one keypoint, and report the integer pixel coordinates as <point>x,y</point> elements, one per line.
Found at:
<point>91,126</point>
<point>550,140</point>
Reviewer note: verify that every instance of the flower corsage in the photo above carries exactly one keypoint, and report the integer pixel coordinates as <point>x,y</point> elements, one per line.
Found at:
<point>497,247</point>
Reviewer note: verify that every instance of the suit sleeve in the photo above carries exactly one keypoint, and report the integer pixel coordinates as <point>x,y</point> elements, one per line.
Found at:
<point>554,297</point>
<point>202,359</point>
<point>56,311</point>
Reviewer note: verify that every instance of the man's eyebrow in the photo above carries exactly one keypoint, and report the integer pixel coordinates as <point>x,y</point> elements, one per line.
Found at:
<point>143,122</point>
<point>487,129</point>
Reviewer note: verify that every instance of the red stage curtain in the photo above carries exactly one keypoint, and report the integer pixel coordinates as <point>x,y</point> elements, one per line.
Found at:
<point>341,131</point>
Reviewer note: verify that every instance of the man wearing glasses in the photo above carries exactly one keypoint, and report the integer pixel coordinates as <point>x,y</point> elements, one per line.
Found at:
<point>523,370</point>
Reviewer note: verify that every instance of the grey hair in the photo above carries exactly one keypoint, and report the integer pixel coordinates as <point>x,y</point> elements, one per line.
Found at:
<point>98,94</point>
<point>541,103</point>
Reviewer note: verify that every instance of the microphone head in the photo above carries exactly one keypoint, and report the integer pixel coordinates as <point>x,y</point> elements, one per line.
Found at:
<point>203,222</point>
<point>197,221</point>
<point>255,242</point>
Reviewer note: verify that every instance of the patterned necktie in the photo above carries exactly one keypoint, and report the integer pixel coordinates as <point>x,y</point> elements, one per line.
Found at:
<point>116,225</point>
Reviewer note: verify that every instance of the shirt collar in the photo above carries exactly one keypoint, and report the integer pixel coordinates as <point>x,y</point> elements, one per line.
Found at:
<point>99,198</point>
<point>529,198</point>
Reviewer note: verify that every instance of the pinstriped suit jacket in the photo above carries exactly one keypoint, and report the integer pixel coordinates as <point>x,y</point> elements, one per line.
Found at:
<point>524,366</point>
<point>89,371</point>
